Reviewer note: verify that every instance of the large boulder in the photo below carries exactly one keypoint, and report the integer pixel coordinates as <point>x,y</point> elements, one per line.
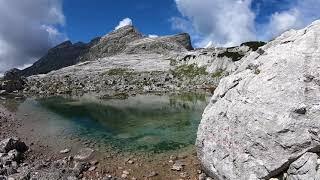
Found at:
<point>12,81</point>
<point>266,114</point>
<point>306,167</point>
<point>63,55</point>
<point>9,144</point>
<point>12,74</point>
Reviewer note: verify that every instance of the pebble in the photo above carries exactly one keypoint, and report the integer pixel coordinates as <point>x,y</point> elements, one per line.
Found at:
<point>124,176</point>
<point>64,151</point>
<point>130,162</point>
<point>173,158</point>
<point>92,168</point>
<point>126,172</point>
<point>177,166</point>
<point>202,176</point>
<point>94,162</point>
<point>152,174</point>
<point>183,174</point>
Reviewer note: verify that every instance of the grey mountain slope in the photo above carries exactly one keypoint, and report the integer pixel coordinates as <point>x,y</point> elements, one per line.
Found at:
<point>124,40</point>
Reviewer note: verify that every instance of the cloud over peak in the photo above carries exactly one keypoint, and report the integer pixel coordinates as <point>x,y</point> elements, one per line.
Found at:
<point>123,23</point>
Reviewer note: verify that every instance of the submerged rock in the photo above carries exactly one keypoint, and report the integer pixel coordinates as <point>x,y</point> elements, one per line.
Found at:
<point>266,114</point>
<point>84,154</point>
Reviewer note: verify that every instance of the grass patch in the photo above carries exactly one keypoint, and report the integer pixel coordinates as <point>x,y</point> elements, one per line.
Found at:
<point>118,72</point>
<point>189,71</point>
<point>217,74</point>
<point>173,62</point>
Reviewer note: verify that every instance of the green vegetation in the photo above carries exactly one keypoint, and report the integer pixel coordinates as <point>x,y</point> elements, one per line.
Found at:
<point>173,62</point>
<point>189,71</point>
<point>118,72</point>
<point>235,56</point>
<point>217,74</point>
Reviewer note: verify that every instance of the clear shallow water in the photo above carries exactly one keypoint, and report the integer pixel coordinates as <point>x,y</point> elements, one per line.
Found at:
<point>147,123</point>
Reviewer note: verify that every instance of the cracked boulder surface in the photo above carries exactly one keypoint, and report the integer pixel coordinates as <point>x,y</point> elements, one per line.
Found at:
<point>306,167</point>
<point>260,120</point>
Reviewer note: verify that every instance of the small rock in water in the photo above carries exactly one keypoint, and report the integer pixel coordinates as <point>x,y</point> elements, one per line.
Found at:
<point>84,154</point>
<point>64,151</point>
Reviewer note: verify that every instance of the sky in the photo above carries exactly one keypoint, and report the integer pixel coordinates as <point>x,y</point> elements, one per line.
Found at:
<point>29,28</point>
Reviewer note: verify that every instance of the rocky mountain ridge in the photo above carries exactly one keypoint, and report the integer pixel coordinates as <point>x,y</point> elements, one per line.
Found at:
<point>125,61</point>
<point>124,40</point>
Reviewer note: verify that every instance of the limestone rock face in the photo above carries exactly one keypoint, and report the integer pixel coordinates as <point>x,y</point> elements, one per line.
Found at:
<point>112,43</point>
<point>304,168</point>
<point>266,114</point>
<point>154,45</point>
<point>182,39</point>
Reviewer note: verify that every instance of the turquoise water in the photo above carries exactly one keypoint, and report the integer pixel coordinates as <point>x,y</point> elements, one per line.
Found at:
<point>148,123</point>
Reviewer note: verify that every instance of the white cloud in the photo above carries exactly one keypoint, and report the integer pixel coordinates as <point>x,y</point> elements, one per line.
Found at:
<point>231,22</point>
<point>224,22</point>
<point>152,36</point>
<point>28,29</point>
<point>124,22</point>
<point>299,15</point>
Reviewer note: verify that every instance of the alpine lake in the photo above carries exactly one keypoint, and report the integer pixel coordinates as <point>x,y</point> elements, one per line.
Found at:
<point>143,123</point>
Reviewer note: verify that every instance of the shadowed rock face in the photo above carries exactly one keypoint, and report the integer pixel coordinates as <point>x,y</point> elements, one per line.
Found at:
<point>266,114</point>
<point>12,81</point>
<point>65,54</point>
<point>123,40</point>
<point>183,39</point>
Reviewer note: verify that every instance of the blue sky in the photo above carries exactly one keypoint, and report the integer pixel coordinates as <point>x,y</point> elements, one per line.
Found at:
<point>29,28</point>
<point>87,19</point>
